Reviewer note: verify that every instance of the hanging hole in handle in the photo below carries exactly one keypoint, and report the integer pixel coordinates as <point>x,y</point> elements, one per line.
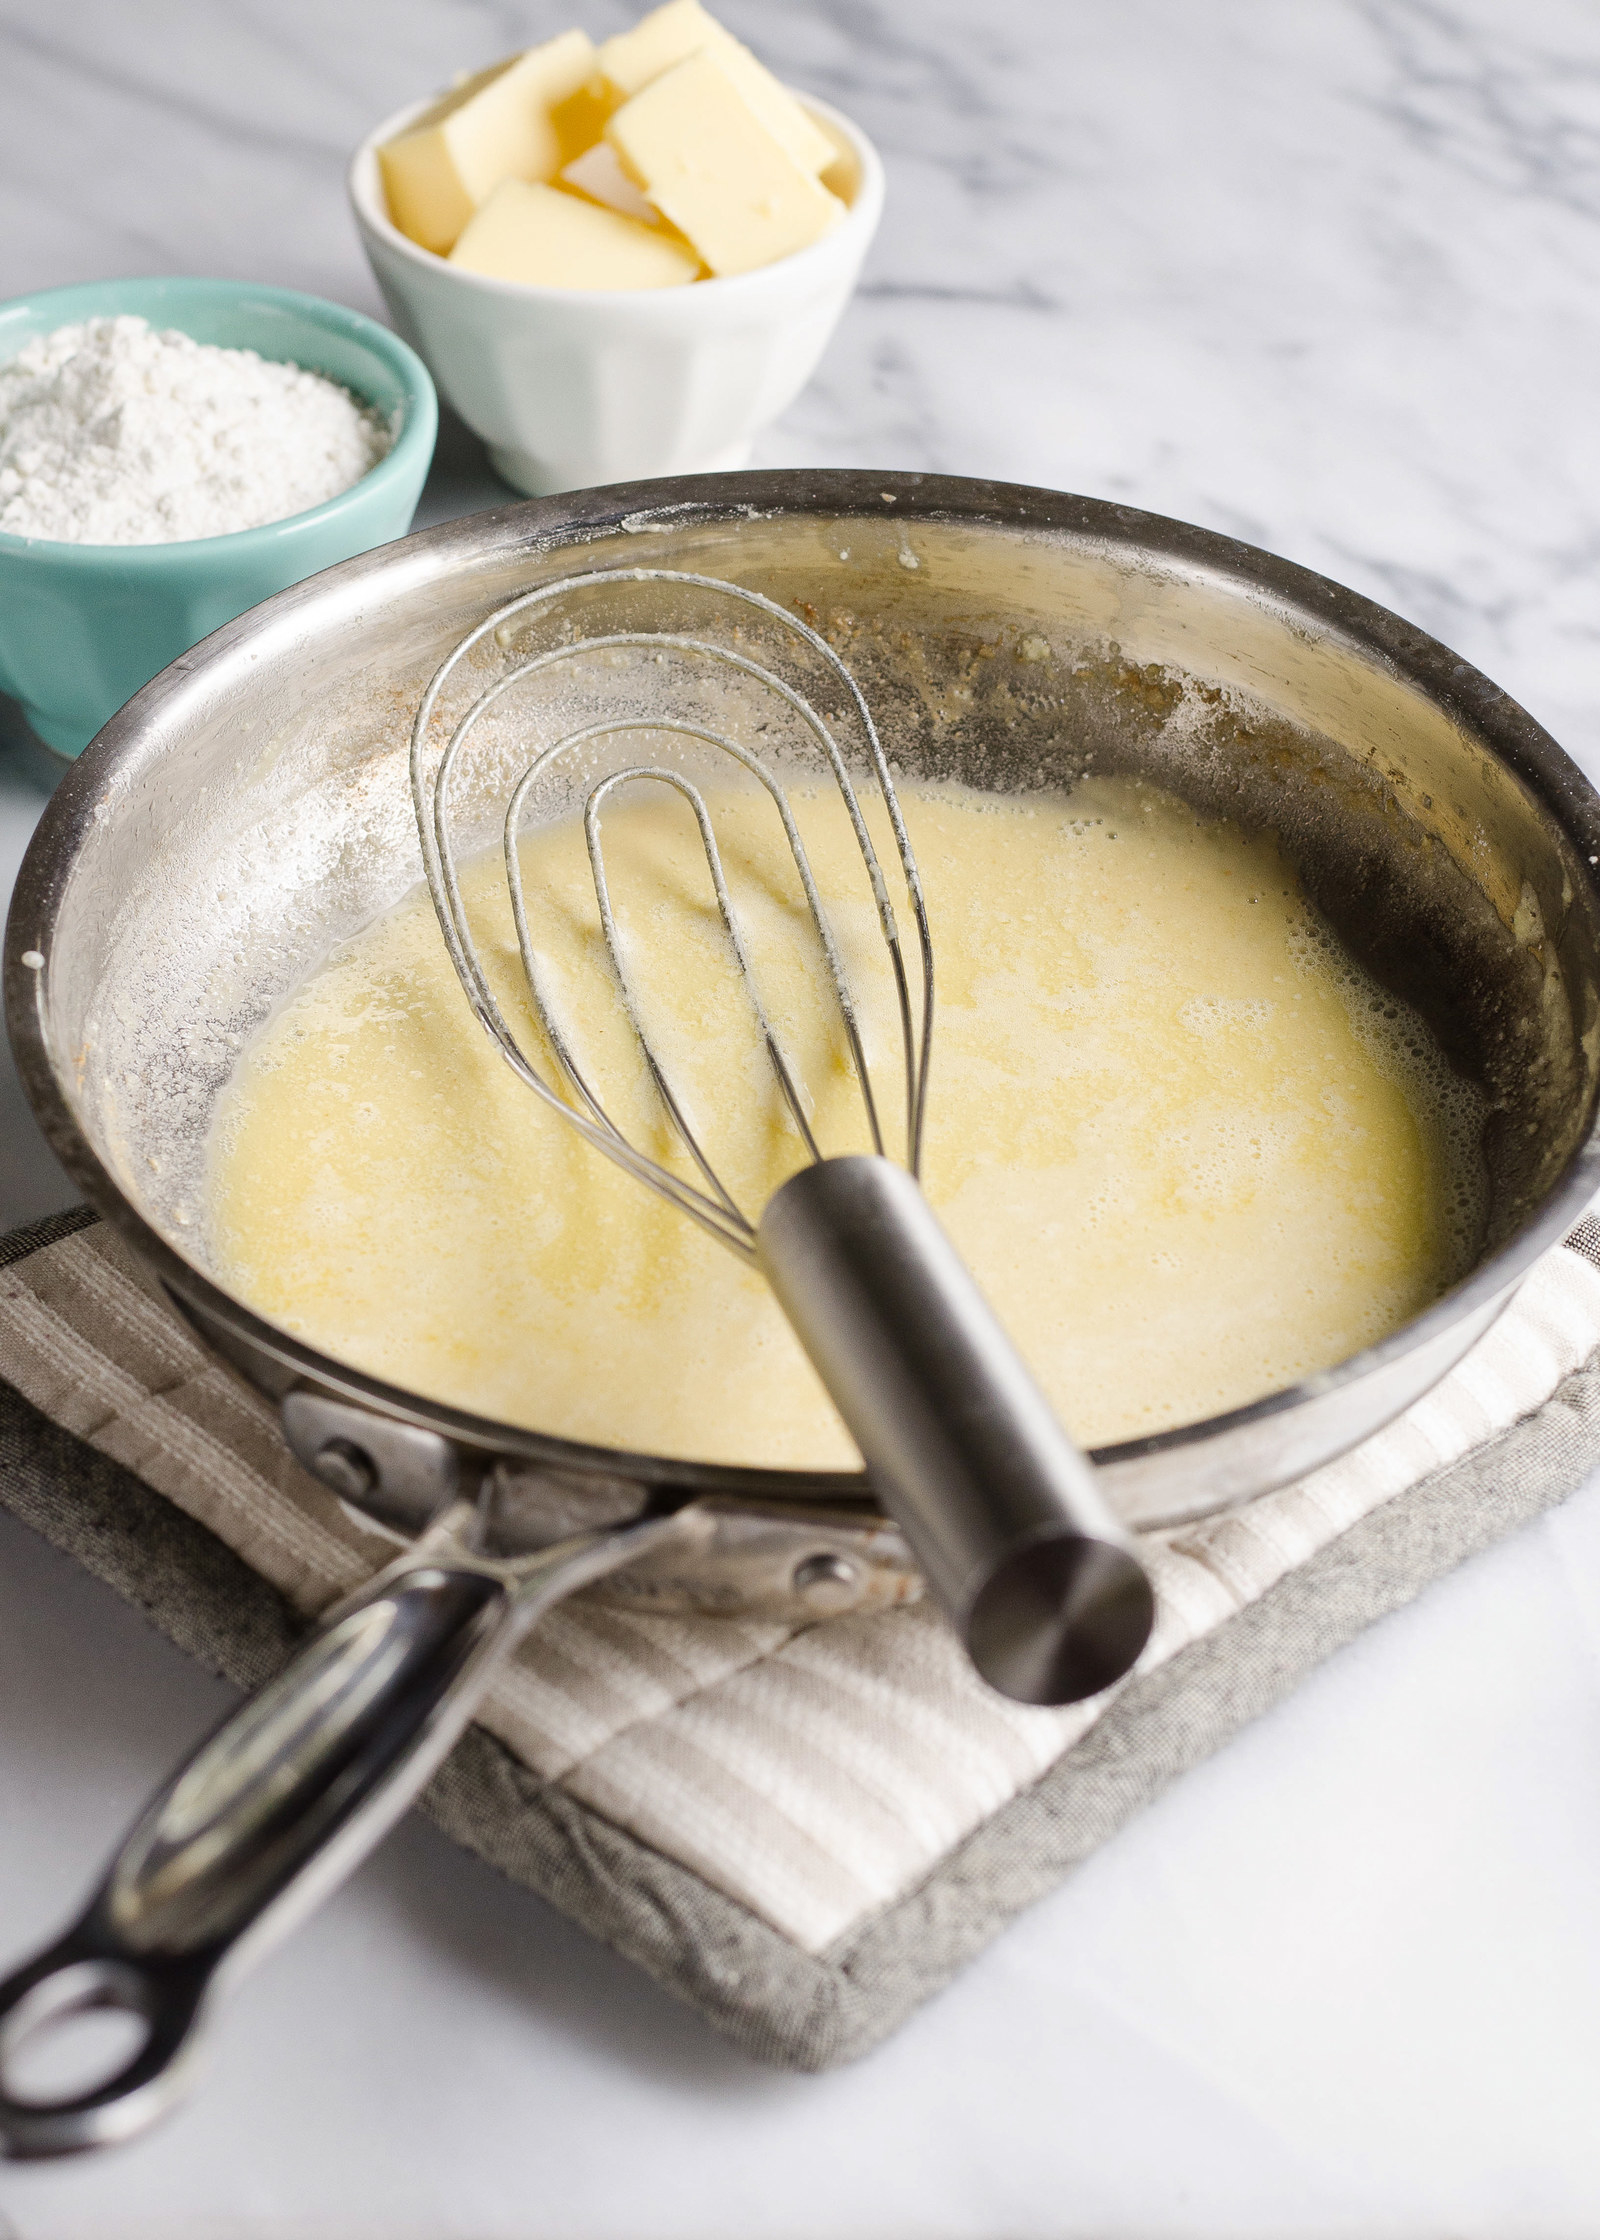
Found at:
<point>65,2085</point>
<point>75,2036</point>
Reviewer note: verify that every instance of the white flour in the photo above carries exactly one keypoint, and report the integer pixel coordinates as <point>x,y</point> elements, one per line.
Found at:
<point>112,433</point>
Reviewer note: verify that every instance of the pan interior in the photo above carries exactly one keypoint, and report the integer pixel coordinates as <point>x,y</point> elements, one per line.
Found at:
<point>265,814</point>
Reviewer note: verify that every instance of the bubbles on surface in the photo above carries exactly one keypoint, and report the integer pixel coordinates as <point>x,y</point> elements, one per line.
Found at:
<point>1400,1042</point>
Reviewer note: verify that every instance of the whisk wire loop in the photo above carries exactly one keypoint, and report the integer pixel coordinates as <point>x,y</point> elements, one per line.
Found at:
<point>918,1045</point>
<point>708,841</point>
<point>837,976</point>
<point>431,792</point>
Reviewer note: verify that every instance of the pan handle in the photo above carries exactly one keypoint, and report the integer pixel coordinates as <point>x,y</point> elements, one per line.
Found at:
<point>270,1815</point>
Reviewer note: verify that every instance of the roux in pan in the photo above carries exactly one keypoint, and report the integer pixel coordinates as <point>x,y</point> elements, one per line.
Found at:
<point>1188,1150</point>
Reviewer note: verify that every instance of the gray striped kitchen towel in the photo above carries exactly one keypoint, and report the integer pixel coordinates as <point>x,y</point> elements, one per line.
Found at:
<point>804,1830</point>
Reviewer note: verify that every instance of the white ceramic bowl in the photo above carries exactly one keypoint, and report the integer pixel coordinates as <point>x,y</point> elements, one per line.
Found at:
<point>574,386</point>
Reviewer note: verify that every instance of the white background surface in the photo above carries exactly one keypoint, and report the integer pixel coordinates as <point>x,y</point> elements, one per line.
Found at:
<point>1322,273</point>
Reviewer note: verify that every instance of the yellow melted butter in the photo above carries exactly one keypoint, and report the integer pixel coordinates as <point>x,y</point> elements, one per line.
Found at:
<point>1190,1153</point>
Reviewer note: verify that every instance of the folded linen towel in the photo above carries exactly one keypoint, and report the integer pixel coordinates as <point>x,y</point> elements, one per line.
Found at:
<point>802,1829</point>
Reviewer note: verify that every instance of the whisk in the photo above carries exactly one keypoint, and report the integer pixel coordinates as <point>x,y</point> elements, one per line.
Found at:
<point>1001,1509</point>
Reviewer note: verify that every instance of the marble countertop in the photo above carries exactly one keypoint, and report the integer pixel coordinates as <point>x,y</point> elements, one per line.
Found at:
<point>1323,274</point>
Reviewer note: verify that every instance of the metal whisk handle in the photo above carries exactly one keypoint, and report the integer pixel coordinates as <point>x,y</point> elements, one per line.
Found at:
<point>1002,1510</point>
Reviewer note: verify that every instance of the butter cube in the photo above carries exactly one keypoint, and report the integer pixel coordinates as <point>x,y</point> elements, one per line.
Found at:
<point>503,124</point>
<point>666,36</point>
<point>598,174</point>
<point>777,108</point>
<point>545,238</point>
<point>670,35</point>
<point>693,144</point>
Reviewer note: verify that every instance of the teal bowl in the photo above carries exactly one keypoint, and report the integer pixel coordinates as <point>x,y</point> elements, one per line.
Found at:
<point>83,626</point>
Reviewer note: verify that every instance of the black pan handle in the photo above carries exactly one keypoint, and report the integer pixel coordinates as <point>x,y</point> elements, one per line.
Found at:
<point>271,1813</point>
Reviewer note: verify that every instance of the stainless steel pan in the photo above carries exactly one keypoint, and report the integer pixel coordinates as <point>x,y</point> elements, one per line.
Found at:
<point>249,808</point>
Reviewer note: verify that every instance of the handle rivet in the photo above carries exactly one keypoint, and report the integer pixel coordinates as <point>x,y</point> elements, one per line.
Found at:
<point>347,1468</point>
<point>826,1582</point>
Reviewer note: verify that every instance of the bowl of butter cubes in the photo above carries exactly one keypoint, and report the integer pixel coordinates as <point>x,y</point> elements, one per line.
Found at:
<point>621,260</point>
